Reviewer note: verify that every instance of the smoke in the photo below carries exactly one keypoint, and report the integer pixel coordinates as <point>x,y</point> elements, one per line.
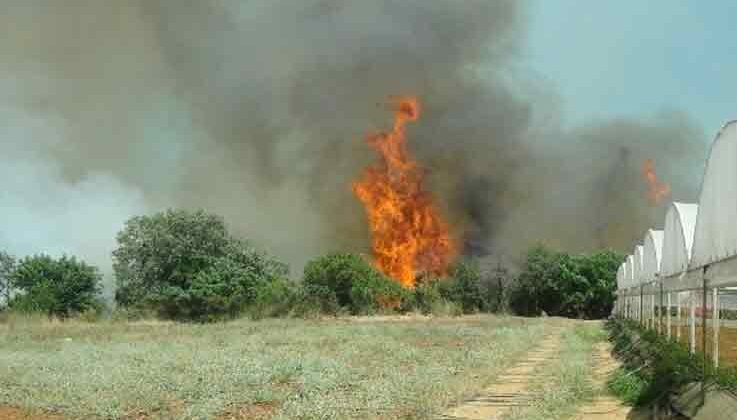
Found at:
<point>256,110</point>
<point>586,189</point>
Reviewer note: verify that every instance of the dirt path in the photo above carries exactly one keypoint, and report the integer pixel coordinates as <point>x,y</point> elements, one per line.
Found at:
<point>513,388</point>
<point>605,407</point>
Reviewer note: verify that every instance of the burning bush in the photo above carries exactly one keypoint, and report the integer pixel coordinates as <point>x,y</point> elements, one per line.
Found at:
<point>185,265</point>
<point>349,282</point>
<point>409,234</point>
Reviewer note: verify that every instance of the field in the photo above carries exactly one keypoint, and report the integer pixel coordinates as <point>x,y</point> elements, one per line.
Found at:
<point>372,368</point>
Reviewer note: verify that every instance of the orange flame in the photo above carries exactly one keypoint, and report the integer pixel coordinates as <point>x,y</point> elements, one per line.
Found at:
<point>657,191</point>
<point>409,237</point>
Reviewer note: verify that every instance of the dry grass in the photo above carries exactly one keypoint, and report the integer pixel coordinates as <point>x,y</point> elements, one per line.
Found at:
<point>280,368</point>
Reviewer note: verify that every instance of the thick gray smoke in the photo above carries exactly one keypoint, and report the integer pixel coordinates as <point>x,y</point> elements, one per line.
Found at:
<point>256,110</point>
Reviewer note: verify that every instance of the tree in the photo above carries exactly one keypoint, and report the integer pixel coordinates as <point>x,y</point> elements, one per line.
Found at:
<point>165,250</point>
<point>7,267</point>
<point>464,287</point>
<point>580,286</point>
<point>185,265</point>
<point>533,281</point>
<point>348,281</point>
<point>59,287</point>
<point>600,268</point>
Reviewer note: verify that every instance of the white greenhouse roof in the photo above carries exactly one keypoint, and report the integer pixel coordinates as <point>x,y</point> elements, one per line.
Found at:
<point>715,238</point>
<point>637,271</point>
<point>630,271</point>
<point>652,253</point>
<point>621,275</point>
<point>680,222</point>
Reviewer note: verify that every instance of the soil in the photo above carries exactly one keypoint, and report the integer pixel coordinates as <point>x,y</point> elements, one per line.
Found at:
<point>13,413</point>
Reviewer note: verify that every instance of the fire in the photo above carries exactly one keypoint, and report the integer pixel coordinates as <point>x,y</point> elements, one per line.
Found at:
<point>657,191</point>
<point>409,236</point>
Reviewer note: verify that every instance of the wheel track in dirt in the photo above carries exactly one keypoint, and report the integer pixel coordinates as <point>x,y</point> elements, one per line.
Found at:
<point>515,387</point>
<point>604,406</point>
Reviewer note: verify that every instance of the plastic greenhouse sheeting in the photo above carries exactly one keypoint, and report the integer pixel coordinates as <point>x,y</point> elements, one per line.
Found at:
<point>652,253</point>
<point>621,274</point>
<point>637,271</point>
<point>680,222</point>
<point>715,238</point>
<point>630,271</point>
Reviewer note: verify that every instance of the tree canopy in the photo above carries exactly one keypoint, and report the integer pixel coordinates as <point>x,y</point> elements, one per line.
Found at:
<point>186,265</point>
<point>60,287</point>
<point>561,284</point>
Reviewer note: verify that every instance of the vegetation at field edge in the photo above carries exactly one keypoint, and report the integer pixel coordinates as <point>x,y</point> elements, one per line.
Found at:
<point>654,367</point>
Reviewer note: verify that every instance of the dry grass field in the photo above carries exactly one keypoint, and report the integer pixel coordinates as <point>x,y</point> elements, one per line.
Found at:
<point>366,368</point>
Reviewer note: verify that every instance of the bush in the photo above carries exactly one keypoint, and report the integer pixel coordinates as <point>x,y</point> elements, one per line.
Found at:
<point>7,267</point>
<point>347,281</point>
<point>652,366</point>
<point>427,296</point>
<point>57,287</point>
<point>185,265</point>
<point>464,287</point>
<point>560,284</point>
<point>273,299</point>
<point>312,301</point>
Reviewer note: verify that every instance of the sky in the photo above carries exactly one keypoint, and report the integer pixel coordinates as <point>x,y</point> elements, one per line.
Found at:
<point>632,57</point>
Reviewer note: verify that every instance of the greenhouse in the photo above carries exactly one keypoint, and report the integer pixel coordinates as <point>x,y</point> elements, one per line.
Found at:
<point>682,281</point>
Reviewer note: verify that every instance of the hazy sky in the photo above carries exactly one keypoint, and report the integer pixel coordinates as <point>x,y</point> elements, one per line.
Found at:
<point>634,57</point>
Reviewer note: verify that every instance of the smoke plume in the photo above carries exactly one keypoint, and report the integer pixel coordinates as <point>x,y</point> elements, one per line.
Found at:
<point>256,110</point>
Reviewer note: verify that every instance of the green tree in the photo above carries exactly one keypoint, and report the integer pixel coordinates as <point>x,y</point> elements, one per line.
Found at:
<point>7,267</point>
<point>185,265</point>
<point>580,286</point>
<point>600,269</point>
<point>348,281</point>
<point>464,287</point>
<point>60,287</point>
<point>532,283</point>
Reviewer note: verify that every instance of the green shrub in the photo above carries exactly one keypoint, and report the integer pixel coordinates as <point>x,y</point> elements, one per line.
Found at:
<point>560,284</point>
<point>653,367</point>
<point>627,385</point>
<point>185,265</point>
<point>349,282</point>
<point>273,299</point>
<point>57,287</point>
<point>464,287</point>
<point>311,301</point>
<point>427,296</point>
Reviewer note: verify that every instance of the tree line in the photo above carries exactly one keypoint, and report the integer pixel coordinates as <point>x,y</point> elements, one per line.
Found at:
<point>186,265</point>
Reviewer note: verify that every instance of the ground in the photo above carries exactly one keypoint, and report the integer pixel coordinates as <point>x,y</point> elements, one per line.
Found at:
<point>364,368</point>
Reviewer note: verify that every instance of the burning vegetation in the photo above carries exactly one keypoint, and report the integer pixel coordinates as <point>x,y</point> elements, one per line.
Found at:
<point>657,191</point>
<point>409,235</point>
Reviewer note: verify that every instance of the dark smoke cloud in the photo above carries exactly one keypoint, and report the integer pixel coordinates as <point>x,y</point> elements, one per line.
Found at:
<point>586,188</point>
<point>257,109</point>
